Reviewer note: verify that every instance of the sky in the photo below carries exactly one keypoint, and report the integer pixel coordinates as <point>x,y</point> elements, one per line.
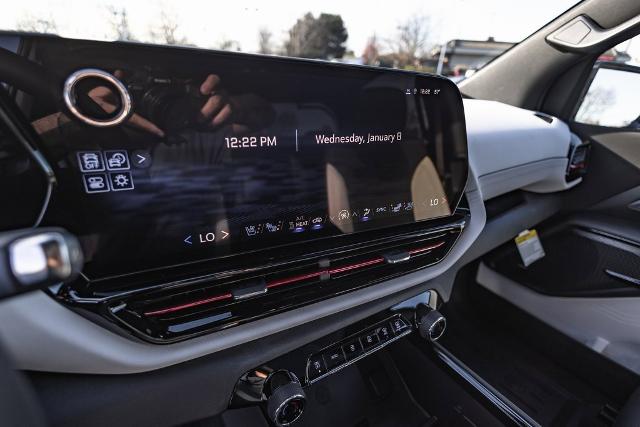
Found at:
<point>207,23</point>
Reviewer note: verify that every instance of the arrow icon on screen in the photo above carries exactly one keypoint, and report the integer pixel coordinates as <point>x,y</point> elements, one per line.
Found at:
<point>188,240</point>
<point>141,159</point>
<point>224,234</point>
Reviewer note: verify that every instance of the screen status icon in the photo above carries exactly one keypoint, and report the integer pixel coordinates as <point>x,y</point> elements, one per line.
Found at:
<point>300,224</point>
<point>317,223</point>
<point>366,214</point>
<point>253,229</point>
<point>273,226</point>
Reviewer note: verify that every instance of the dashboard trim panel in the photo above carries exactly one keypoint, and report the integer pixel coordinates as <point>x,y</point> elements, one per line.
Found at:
<point>33,321</point>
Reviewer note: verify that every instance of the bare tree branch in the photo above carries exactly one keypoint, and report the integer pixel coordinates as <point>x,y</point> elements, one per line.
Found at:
<point>35,24</point>
<point>166,32</point>
<point>265,45</point>
<point>411,40</point>
<point>229,44</point>
<point>120,23</point>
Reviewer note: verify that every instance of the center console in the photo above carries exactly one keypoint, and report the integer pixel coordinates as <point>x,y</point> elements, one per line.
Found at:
<point>278,386</point>
<point>212,189</point>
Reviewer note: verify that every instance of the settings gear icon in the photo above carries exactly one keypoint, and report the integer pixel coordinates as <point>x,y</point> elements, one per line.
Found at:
<point>121,180</point>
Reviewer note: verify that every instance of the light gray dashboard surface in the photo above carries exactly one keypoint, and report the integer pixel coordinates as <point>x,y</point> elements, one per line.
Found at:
<point>504,143</point>
<point>511,148</point>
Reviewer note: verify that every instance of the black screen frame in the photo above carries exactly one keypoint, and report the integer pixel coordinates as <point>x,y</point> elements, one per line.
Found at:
<point>62,56</point>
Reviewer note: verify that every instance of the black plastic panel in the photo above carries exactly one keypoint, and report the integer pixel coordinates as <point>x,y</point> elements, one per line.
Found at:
<point>578,262</point>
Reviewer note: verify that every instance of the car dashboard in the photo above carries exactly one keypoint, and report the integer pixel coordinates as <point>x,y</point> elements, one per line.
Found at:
<point>227,201</point>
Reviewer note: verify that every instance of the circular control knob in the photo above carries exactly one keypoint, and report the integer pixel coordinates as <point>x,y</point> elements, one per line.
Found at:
<point>285,398</point>
<point>430,323</point>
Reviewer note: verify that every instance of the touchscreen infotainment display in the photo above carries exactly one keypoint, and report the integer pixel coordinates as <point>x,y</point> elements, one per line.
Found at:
<point>228,153</point>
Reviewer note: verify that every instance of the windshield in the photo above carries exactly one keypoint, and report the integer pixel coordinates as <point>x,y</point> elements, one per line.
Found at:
<point>453,38</point>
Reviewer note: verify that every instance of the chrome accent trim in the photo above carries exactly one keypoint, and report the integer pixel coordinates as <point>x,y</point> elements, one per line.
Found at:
<point>250,295</point>
<point>372,350</point>
<point>294,379</point>
<point>444,328</point>
<point>279,408</point>
<point>628,279</point>
<point>31,263</point>
<point>118,307</point>
<point>45,203</point>
<point>396,257</point>
<point>69,96</point>
<point>516,414</point>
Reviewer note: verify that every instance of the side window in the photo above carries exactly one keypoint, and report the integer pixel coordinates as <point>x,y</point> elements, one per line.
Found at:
<point>611,99</point>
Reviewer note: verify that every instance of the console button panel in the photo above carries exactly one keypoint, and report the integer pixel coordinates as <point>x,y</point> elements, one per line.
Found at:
<point>333,357</point>
<point>316,366</point>
<point>370,339</point>
<point>355,347</point>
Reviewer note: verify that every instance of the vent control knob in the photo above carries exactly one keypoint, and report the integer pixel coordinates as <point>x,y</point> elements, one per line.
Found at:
<point>286,399</point>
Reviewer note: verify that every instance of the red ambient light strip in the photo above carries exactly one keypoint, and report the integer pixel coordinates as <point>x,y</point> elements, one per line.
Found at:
<point>290,280</point>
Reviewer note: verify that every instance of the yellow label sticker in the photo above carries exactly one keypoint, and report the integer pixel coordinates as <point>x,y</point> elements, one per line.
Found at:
<point>526,235</point>
<point>529,247</point>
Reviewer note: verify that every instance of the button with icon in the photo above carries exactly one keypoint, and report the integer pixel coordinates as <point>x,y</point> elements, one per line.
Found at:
<point>273,226</point>
<point>333,357</point>
<point>117,160</point>
<point>121,181</point>
<point>253,229</point>
<point>95,183</point>
<point>317,223</point>
<point>344,215</point>
<point>90,161</point>
<point>380,210</point>
<point>316,367</point>
<point>352,349</point>
<point>369,339</point>
<point>141,159</point>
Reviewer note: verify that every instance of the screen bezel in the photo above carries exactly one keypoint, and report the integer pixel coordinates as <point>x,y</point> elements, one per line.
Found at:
<point>159,51</point>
